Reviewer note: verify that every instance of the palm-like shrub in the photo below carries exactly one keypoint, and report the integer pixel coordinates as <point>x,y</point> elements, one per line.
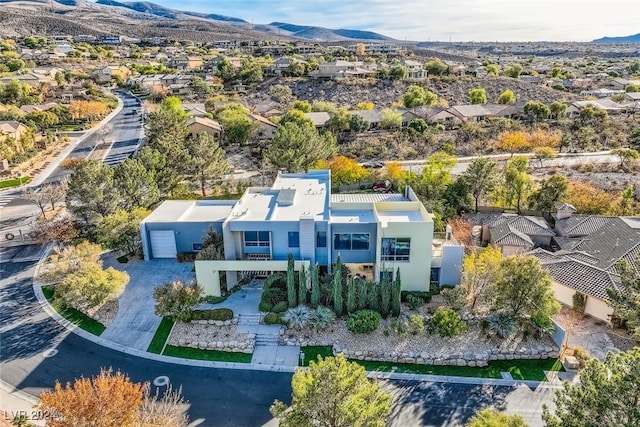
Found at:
<point>321,318</point>
<point>297,317</point>
<point>502,324</point>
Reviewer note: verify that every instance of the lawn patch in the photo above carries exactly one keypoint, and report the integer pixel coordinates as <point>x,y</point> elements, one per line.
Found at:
<point>312,352</point>
<point>14,182</point>
<point>519,369</point>
<point>74,316</point>
<point>161,335</point>
<point>200,354</point>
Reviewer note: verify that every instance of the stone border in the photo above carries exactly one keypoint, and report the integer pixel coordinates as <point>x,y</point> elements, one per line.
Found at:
<point>246,345</point>
<point>455,359</point>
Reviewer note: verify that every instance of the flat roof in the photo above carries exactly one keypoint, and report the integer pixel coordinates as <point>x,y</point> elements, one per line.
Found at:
<point>191,211</point>
<point>367,198</point>
<point>353,216</point>
<point>291,197</point>
<point>400,216</point>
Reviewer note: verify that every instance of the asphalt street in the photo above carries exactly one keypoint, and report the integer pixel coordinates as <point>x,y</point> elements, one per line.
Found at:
<point>217,397</point>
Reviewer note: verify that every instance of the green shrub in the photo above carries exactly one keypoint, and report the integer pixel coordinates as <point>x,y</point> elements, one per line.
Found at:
<point>415,324</point>
<point>210,299</point>
<point>363,321</point>
<point>398,326</point>
<point>579,302</point>
<point>273,319</point>
<point>582,355</point>
<point>273,296</point>
<point>455,297</point>
<point>276,281</point>
<point>186,257</point>
<point>280,307</point>
<point>434,288</point>
<point>414,302</point>
<point>297,317</point>
<point>215,314</point>
<point>447,323</point>
<point>265,306</point>
<point>404,295</point>
<point>502,324</point>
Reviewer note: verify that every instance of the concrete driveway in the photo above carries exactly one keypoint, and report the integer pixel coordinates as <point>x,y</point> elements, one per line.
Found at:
<point>135,324</point>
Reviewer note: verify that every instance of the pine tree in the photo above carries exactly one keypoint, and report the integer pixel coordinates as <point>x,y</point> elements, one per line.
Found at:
<point>337,289</point>
<point>291,282</point>
<point>351,296</point>
<point>385,296</point>
<point>315,287</point>
<point>395,294</point>
<point>302,286</point>
<point>363,287</point>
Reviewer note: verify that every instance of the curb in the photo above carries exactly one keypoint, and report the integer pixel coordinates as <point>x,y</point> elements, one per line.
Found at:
<point>37,288</point>
<point>65,153</point>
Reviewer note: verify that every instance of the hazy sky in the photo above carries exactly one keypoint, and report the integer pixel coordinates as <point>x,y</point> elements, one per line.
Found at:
<point>458,20</point>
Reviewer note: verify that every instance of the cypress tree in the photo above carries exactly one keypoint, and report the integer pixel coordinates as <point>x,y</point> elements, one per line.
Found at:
<point>315,287</point>
<point>363,287</point>
<point>337,289</point>
<point>372,295</point>
<point>385,296</point>
<point>351,296</point>
<point>395,294</point>
<point>302,286</point>
<point>291,281</point>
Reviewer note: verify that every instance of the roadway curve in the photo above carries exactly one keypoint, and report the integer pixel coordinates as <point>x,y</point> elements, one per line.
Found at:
<point>217,397</point>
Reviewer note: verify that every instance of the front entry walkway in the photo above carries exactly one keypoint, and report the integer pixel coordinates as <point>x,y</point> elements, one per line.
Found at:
<point>136,323</point>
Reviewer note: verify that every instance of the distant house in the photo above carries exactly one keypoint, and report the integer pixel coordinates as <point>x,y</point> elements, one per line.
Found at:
<point>110,39</point>
<point>10,129</point>
<point>430,115</point>
<point>195,110</point>
<point>602,92</point>
<point>469,113</point>
<point>265,127</point>
<point>343,69</point>
<point>185,62</point>
<point>416,69</point>
<point>373,117</point>
<point>512,233</point>
<point>606,104</point>
<point>267,109</point>
<point>319,118</point>
<point>26,109</point>
<point>198,125</point>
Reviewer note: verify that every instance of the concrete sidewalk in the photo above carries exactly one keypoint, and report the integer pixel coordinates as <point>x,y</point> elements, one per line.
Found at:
<point>136,323</point>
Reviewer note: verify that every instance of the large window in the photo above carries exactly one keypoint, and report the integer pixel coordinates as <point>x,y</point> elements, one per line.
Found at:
<point>395,249</point>
<point>294,239</point>
<point>256,238</point>
<point>351,242</point>
<point>321,239</point>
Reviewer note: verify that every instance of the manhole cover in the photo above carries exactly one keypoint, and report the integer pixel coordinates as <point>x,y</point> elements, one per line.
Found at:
<point>161,381</point>
<point>49,353</point>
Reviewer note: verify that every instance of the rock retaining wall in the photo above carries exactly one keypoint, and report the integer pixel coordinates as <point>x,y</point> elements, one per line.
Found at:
<point>200,334</point>
<point>424,358</point>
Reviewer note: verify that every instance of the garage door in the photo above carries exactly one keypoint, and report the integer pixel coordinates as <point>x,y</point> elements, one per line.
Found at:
<point>163,244</point>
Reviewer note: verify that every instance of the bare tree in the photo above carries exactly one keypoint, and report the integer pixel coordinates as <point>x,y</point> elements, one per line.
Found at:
<point>53,230</point>
<point>38,197</point>
<point>56,192</point>
<point>168,411</point>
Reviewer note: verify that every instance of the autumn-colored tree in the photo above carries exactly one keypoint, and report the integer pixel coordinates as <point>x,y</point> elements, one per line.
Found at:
<point>480,270</point>
<point>543,153</point>
<point>542,138</point>
<point>343,170</point>
<point>360,49</point>
<point>395,172</point>
<point>461,229</point>
<point>109,399</point>
<point>365,105</point>
<point>53,230</point>
<point>112,399</point>
<point>513,142</point>
<point>87,110</point>
<point>588,199</point>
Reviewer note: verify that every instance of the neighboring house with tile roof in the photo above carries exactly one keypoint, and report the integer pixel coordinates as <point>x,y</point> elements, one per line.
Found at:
<point>573,273</point>
<point>590,247</point>
<point>512,233</point>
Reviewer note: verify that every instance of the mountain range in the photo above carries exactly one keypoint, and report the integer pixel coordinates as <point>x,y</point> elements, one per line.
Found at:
<point>626,39</point>
<point>146,19</point>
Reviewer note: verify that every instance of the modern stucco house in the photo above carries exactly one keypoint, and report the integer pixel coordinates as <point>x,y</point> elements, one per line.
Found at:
<point>373,234</point>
